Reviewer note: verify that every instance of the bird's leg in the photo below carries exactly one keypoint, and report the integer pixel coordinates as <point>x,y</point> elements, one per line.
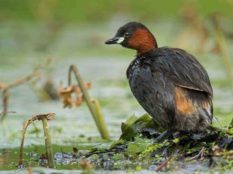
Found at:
<point>163,136</point>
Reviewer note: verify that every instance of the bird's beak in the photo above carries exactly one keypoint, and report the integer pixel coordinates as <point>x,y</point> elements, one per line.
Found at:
<point>115,40</point>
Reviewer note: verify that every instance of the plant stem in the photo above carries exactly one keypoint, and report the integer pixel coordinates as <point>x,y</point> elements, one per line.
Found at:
<point>88,101</point>
<point>100,120</point>
<point>22,144</point>
<point>48,144</point>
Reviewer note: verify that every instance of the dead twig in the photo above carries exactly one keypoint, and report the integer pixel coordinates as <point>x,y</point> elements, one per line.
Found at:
<point>5,88</point>
<point>163,164</point>
<point>199,155</point>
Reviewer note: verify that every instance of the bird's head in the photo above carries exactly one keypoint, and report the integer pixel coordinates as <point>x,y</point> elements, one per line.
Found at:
<point>136,36</point>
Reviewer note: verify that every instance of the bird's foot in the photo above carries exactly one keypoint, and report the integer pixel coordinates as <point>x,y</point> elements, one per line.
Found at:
<point>165,135</point>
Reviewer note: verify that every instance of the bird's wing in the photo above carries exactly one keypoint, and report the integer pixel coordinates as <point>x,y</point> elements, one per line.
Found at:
<point>182,69</point>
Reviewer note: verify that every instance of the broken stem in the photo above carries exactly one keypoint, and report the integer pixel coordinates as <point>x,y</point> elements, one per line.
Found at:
<point>48,144</point>
<point>88,100</point>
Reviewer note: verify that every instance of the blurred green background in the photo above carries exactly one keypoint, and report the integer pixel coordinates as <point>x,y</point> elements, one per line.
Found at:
<point>74,31</point>
<point>77,11</point>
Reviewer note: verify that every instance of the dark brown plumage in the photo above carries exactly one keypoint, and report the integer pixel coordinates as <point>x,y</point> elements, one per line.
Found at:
<point>169,83</point>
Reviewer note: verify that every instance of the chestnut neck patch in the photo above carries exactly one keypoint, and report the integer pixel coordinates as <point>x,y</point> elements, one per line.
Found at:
<point>142,40</point>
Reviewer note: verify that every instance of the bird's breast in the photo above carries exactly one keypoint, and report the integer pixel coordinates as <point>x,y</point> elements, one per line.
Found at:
<point>144,84</point>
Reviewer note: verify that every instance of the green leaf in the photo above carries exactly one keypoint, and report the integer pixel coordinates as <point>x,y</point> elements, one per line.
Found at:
<point>133,126</point>
<point>139,145</point>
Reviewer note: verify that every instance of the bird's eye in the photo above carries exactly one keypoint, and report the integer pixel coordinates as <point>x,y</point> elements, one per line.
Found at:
<point>126,34</point>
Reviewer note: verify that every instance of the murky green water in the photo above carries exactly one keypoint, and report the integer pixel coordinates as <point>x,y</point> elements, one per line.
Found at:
<point>25,45</point>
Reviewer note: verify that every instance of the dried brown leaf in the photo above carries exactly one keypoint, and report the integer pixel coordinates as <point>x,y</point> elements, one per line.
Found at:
<point>66,95</point>
<point>85,164</point>
<point>78,101</point>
